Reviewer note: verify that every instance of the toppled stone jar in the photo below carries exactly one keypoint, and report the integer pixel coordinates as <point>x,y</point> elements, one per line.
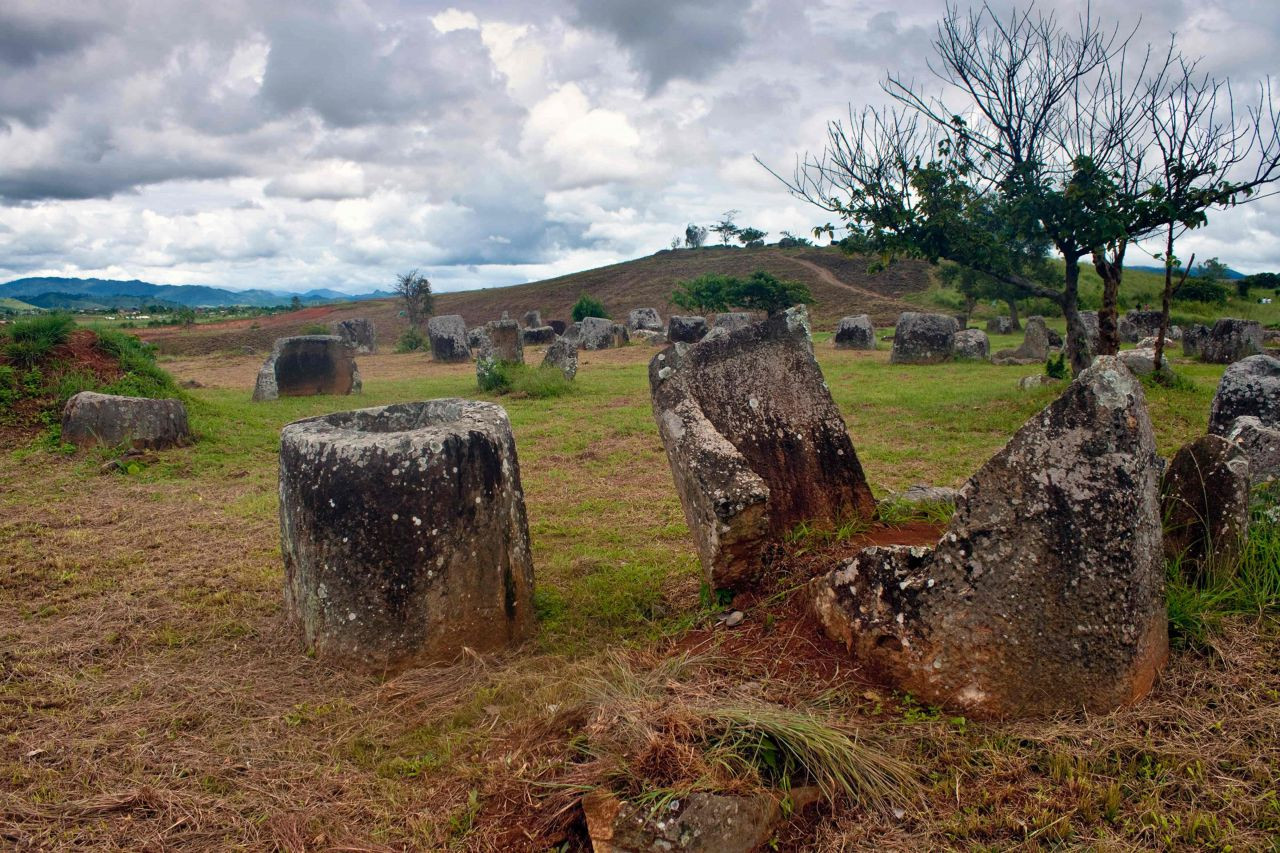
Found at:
<point>755,442</point>
<point>1046,593</point>
<point>404,534</point>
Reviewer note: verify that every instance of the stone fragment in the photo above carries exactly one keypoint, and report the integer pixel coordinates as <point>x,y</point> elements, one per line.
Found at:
<point>537,335</point>
<point>1231,340</point>
<point>449,339</point>
<point>1204,498</point>
<point>971,344</point>
<point>644,318</point>
<point>306,365</point>
<point>1034,348</point>
<point>533,320</point>
<point>563,355</point>
<point>1261,444</point>
<point>755,442</point>
<point>357,331</point>
<point>1193,338</point>
<point>855,333</point>
<point>1250,386</point>
<point>1142,361</point>
<point>506,340</point>
<point>91,418</point>
<point>597,333</point>
<point>688,330</point>
<point>999,325</point>
<point>731,321</point>
<point>923,338</point>
<point>1046,593</point>
<point>404,534</point>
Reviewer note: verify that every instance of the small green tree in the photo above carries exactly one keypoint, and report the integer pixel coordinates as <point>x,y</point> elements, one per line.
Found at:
<point>762,291</point>
<point>1261,281</point>
<point>295,302</point>
<point>752,237</point>
<point>790,241</point>
<point>694,236</point>
<point>187,317</point>
<point>414,290</point>
<point>588,306</point>
<point>725,227</point>
<point>704,294</point>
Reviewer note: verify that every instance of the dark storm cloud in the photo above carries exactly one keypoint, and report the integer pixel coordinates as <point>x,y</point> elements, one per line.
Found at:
<point>24,42</point>
<point>71,179</point>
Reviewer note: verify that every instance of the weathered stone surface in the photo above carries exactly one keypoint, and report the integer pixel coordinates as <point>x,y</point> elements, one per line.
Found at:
<point>1135,325</point>
<point>1261,444</point>
<point>91,418</point>
<point>357,331</point>
<point>537,335</point>
<point>557,325</point>
<point>573,332</point>
<point>533,320</point>
<point>971,344</point>
<point>597,333</point>
<point>476,339</point>
<point>688,330</point>
<point>1142,361</point>
<point>855,333</point>
<point>621,336</point>
<point>1055,339</point>
<point>1030,383</point>
<point>920,493</point>
<point>649,336</point>
<point>1193,338</point>
<point>450,341</point>
<point>731,321</point>
<point>404,534</point>
<point>1046,593</point>
<point>1204,498</point>
<point>1251,386</point>
<point>1231,340</point>
<point>644,318</point>
<point>1034,348</point>
<point>923,338</point>
<point>506,339</point>
<point>1000,325</point>
<point>306,365</point>
<point>755,442</point>
<point>563,355</point>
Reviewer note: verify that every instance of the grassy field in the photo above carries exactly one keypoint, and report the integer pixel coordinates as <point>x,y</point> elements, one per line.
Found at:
<point>151,696</point>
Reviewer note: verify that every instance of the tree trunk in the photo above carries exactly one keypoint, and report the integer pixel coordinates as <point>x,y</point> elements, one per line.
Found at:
<point>1166,296</point>
<point>1014,325</point>
<point>1077,337</point>
<point>1110,270</point>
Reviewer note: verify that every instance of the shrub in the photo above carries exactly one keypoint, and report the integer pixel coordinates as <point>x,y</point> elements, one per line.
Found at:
<point>705,294</point>
<point>1203,290</point>
<point>761,291</point>
<point>1056,368</point>
<point>142,376</point>
<point>30,341</point>
<point>411,341</point>
<point>588,306</point>
<point>493,376</point>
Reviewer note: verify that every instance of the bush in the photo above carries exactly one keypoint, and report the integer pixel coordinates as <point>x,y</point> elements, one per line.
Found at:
<point>493,376</point>
<point>761,291</point>
<point>588,306</point>
<point>30,341</point>
<point>1203,290</point>
<point>411,341</point>
<point>1056,368</point>
<point>142,376</point>
<point>705,294</point>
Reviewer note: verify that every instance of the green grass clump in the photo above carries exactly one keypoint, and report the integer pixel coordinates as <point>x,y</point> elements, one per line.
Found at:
<point>30,341</point>
<point>501,377</point>
<point>142,376</point>
<point>411,341</point>
<point>315,329</point>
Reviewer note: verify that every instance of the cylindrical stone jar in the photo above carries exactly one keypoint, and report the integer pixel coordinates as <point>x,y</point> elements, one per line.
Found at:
<point>404,534</point>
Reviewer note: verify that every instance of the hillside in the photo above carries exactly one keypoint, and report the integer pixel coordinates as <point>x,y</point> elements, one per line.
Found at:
<point>840,285</point>
<point>97,293</point>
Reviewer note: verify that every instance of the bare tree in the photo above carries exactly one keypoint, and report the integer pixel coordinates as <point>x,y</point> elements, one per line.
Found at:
<point>414,291</point>
<point>726,227</point>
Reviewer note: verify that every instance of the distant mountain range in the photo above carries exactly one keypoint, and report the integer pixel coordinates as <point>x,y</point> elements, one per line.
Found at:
<point>98,293</point>
<point>1229,274</point>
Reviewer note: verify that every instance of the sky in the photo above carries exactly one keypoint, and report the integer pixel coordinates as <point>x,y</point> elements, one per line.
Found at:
<point>336,143</point>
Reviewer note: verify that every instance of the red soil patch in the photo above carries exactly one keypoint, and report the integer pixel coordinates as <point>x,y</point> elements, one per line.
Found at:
<point>79,354</point>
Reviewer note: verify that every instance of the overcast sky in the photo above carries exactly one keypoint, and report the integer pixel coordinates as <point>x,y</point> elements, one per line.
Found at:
<point>333,144</point>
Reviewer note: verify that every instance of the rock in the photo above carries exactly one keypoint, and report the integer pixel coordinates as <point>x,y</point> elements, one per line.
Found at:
<point>404,534</point>
<point>476,338</point>
<point>649,336</point>
<point>506,340</point>
<point>90,418</point>
<point>1046,593</point>
<point>923,338</point>
<point>699,822</point>
<point>1193,338</point>
<point>919,493</point>
<point>855,333</point>
<point>621,336</point>
<point>1231,340</point>
<point>562,354</point>
<point>191,383</point>
<point>962,321</point>
<point>1092,333</point>
<point>573,332</point>
<point>1000,325</point>
<point>450,341</point>
<point>755,442</point>
<point>557,325</point>
<point>1055,339</point>
<point>1261,444</point>
<point>1204,499</point>
<point>971,344</point>
<point>537,335</point>
<point>306,365</point>
<point>1135,325</point>
<point>1034,348</point>
<point>1142,361</point>
<point>1251,386</point>
<point>597,333</point>
<point>732,618</point>
<point>732,321</point>
<point>1030,383</point>
<point>644,318</point>
<point>687,330</point>
<point>533,320</point>
<point>357,331</point>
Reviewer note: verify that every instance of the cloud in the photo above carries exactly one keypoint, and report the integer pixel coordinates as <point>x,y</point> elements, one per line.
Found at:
<point>333,180</point>
<point>580,144</point>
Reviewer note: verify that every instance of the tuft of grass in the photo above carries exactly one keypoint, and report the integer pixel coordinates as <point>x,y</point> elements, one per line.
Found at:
<point>30,341</point>
<point>539,383</point>
<point>895,511</point>
<point>411,341</point>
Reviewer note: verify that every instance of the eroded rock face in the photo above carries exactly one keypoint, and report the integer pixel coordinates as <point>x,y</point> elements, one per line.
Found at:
<point>688,330</point>
<point>450,341</point>
<point>923,338</point>
<point>971,344</point>
<point>755,442</point>
<point>357,331</point>
<point>1046,593</point>
<point>1000,325</point>
<point>1250,386</point>
<point>1034,348</point>
<point>731,321</point>
<point>597,333</point>
<point>404,534</point>
<point>504,336</point>
<point>533,319</point>
<point>307,365</point>
<point>1261,444</point>
<point>90,418</point>
<point>855,333</point>
<point>1204,497</point>
<point>644,318</point>
<point>537,335</point>
<point>1231,340</point>
<point>562,355</point>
